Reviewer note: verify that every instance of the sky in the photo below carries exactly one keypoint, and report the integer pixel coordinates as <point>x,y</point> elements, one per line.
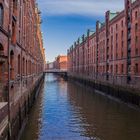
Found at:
<point>64,21</point>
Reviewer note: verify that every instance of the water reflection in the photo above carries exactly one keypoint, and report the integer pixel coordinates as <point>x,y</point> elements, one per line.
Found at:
<point>101,118</point>
<point>69,111</point>
<point>32,128</point>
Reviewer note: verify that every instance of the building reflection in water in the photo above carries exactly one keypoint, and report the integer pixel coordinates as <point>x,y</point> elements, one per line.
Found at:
<point>98,117</point>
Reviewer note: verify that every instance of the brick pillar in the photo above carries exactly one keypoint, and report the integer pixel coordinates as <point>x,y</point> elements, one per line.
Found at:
<point>83,64</point>
<point>72,59</point>
<point>107,43</point>
<point>128,18</point>
<point>97,40</point>
<point>75,54</point>
<point>88,34</point>
<point>78,42</point>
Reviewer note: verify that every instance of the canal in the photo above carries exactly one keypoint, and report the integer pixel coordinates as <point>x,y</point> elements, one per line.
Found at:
<point>66,110</point>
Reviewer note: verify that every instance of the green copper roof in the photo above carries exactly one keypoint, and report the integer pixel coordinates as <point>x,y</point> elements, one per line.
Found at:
<point>112,15</point>
<point>101,24</point>
<point>91,33</point>
<point>81,40</point>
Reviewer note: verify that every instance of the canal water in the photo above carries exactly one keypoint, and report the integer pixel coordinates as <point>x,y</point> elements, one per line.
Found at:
<point>66,110</point>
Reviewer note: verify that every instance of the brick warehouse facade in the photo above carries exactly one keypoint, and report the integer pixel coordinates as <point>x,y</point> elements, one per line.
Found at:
<point>111,54</point>
<point>22,61</point>
<point>60,62</point>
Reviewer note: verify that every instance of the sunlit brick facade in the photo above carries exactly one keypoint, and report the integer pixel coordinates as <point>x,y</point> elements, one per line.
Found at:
<point>60,62</point>
<point>22,57</point>
<point>111,54</point>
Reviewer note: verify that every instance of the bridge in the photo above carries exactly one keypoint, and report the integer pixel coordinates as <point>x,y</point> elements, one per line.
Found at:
<point>56,71</point>
<point>62,72</point>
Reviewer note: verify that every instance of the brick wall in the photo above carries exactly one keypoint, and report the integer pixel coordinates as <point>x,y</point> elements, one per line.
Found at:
<point>111,53</point>
<point>22,55</point>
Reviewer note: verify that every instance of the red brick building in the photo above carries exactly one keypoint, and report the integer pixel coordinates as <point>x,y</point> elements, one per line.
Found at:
<point>50,66</point>
<point>22,57</point>
<point>111,54</point>
<point>60,62</point>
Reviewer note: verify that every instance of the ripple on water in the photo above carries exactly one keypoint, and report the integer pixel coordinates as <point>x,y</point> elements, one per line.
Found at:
<point>69,111</point>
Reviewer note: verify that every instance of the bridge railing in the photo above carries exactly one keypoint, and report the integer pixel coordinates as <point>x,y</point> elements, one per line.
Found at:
<point>56,70</point>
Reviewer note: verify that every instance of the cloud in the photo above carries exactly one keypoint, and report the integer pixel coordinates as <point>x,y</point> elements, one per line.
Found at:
<point>79,7</point>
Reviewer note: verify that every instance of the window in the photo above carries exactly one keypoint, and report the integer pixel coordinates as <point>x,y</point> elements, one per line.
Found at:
<point>136,51</point>
<point>136,39</point>
<point>122,35</point>
<point>12,65</point>
<point>0,72</point>
<point>1,15</point>
<point>116,69</point>
<point>1,50</point>
<point>19,64</point>
<point>136,15</point>
<point>116,55</point>
<point>13,32</point>
<point>29,67</point>
<point>122,23</point>
<point>1,63</point>
<point>111,29</point>
<point>111,69</point>
<point>116,45</point>
<point>14,6</point>
<point>116,27</point>
<point>122,68</point>
<point>26,68</point>
<point>122,54</point>
<point>136,27</point>
<point>136,68</point>
<point>23,64</point>
<point>116,37</point>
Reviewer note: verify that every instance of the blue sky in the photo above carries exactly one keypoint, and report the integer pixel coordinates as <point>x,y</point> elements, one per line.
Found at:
<point>66,20</point>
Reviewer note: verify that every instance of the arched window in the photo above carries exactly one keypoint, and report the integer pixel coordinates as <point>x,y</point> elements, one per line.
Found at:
<point>12,65</point>
<point>19,65</point>
<point>1,15</point>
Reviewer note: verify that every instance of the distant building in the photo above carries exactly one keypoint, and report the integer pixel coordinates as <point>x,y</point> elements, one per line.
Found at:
<point>50,66</point>
<point>61,62</point>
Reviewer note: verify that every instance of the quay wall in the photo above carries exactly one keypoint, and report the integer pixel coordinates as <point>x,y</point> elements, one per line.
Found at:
<point>126,94</point>
<point>22,109</point>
